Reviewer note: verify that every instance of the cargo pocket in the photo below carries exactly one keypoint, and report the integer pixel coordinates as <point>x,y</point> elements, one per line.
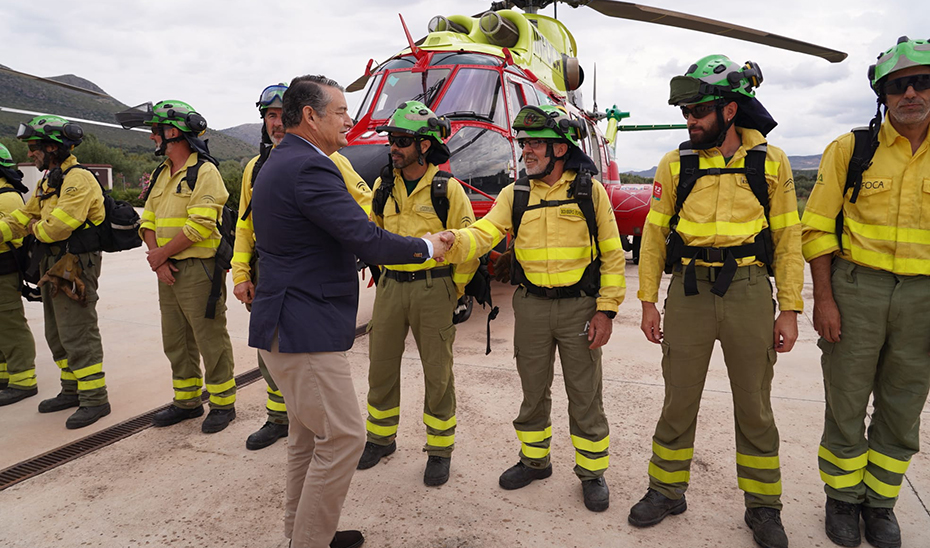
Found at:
<point>826,348</point>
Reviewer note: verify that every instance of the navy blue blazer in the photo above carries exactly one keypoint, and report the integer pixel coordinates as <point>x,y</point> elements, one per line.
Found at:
<point>308,232</point>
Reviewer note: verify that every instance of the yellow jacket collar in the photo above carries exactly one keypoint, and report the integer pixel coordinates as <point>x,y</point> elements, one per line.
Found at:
<point>425,180</point>
<point>566,178</point>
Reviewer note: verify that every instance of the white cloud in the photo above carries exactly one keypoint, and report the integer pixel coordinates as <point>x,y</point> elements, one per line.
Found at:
<point>218,55</point>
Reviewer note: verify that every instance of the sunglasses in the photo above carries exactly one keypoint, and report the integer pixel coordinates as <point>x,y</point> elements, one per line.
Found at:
<point>34,147</point>
<point>400,141</point>
<point>898,86</point>
<point>532,143</point>
<point>698,111</point>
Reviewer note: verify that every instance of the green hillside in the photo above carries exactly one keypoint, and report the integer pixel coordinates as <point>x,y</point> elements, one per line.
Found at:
<point>19,92</point>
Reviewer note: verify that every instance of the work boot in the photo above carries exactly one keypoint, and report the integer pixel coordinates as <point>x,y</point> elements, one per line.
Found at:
<point>59,403</point>
<point>767,530</point>
<point>10,396</point>
<point>437,470</point>
<point>217,420</point>
<point>4,383</point>
<point>842,522</point>
<point>86,416</point>
<point>269,433</point>
<point>521,475</point>
<point>174,414</point>
<point>653,508</point>
<point>374,453</point>
<point>596,494</point>
<point>347,539</point>
<point>881,527</point>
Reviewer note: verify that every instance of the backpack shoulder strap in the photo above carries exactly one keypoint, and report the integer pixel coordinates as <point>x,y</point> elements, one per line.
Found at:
<point>582,189</point>
<point>687,175</point>
<point>383,192</point>
<point>152,180</point>
<point>439,195</point>
<point>521,199</point>
<point>8,189</point>
<point>863,150</point>
<point>755,174</point>
<point>191,175</point>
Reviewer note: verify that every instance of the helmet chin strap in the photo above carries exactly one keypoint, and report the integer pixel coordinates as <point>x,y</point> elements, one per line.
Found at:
<point>550,153</point>
<point>163,147</point>
<point>724,128</point>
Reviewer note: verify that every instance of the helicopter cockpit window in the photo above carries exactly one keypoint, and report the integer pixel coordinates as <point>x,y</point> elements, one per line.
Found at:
<point>475,94</point>
<point>408,86</point>
<point>369,97</point>
<point>483,158</point>
<point>543,98</point>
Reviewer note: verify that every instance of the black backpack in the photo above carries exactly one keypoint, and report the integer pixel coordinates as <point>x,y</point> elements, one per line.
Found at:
<point>20,259</point>
<point>226,226</point>
<point>761,247</point>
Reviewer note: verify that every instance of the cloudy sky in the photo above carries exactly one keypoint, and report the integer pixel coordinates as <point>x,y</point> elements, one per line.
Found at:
<point>219,55</point>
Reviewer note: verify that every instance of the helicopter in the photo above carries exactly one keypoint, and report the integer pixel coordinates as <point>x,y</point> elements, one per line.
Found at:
<point>478,71</point>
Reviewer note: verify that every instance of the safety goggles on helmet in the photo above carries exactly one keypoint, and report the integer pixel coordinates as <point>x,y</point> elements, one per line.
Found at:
<point>533,121</point>
<point>271,95</point>
<point>51,128</point>
<point>701,110</point>
<point>136,116</point>
<point>400,141</point>
<point>898,86</point>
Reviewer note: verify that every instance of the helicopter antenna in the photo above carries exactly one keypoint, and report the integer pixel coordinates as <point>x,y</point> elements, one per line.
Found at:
<point>595,90</point>
<point>413,46</point>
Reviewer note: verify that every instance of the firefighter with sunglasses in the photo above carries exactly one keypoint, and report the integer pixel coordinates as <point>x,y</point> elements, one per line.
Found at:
<point>413,198</point>
<point>568,262</point>
<point>867,239</point>
<point>245,260</point>
<point>723,219</point>
<point>63,214</point>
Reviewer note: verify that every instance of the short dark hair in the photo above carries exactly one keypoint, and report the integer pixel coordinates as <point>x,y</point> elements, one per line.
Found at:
<point>306,91</point>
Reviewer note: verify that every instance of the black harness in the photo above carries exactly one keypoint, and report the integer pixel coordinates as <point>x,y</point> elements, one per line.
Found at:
<point>439,195</point>
<point>580,192</point>
<point>761,247</point>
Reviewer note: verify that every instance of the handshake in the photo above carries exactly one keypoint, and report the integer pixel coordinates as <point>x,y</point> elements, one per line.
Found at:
<point>442,243</point>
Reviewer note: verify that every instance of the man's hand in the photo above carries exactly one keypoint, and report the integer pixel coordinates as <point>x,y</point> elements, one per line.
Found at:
<point>786,330</point>
<point>157,257</point>
<point>651,324</point>
<point>827,319</point>
<point>442,242</point>
<point>599,330</point>
<point>245,292</point>
<point>164,273</point>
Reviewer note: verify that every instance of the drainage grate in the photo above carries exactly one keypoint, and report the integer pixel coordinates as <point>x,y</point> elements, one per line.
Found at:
<point>66,453</point>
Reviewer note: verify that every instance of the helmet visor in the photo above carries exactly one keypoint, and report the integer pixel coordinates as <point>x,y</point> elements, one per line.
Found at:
<point>531,118</point>
<point>136,116</point>
<point>26,132</point>
<point>271,94</point>
<point>685,90</point>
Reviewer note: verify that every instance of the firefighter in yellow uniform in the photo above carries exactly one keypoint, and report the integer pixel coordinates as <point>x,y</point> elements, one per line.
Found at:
<point>183,207</point>
<point>568,261</point>
<point>63,214</point>
<point>726,205</point>
<point>413,198</point>
<point>872,298</point>
<point>245,262</point>
<point>17,345</point>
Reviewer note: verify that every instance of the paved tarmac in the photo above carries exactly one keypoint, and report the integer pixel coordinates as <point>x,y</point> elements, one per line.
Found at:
<point>180,488</point>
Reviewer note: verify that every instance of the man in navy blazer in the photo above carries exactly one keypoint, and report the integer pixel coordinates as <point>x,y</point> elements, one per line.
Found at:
<point>309,232</point>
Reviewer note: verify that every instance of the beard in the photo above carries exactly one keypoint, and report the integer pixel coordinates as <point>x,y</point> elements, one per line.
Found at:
<point>910,116</point>
<point>700,136</point>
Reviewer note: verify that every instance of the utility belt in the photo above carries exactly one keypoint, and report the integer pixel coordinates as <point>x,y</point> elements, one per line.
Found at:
<point>417,275</point>
<point>569,292</point>
<point>721,276</point>
<point>712,273</point>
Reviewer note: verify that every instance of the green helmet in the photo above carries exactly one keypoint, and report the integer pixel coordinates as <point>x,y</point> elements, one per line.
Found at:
<point>548,122</point>
<point>906,53</point>
<point>271,97</point>
<point>51,128</point>
<point>414,118</point>
<point>715,77</point>
<point>180,115</point>
<point>6,159</point>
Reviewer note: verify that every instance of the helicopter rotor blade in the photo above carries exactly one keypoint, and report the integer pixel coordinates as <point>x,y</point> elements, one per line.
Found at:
<point>638,12</point>
<point>53,82</point>
<point>359,84</point>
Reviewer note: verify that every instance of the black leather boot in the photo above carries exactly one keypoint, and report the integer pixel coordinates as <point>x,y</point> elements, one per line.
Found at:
<point>86,416</point>
<point>217,420</point>
<point>269,433</point>
<point>374,453</point>
<point>437,470</point>
<point>881,527</point>
<point>9,396</point>
<point>59,403</point>
<point>767,530</point>
<point>653,508</point>
<point>842,522</point>
<point>175,414</point>
<point>596,494</point>
<point>521,475</point>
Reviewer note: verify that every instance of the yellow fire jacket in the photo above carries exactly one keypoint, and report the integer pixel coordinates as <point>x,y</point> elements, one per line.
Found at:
<point>172,207</point>
<point>245,232</point>
<point>888,228</point>
<point>59,215</point>
<point>9,202</point>
<point>553,245</point>
<point>722,211</point>
<point>414,215</point>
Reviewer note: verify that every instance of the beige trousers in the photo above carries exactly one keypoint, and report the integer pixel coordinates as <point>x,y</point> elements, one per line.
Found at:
<point>325,441</point>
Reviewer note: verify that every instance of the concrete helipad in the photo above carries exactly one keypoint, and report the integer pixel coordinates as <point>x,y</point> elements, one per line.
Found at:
<point>177,487</point>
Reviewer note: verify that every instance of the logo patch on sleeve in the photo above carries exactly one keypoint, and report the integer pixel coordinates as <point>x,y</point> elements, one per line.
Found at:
<point>656,190</point>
